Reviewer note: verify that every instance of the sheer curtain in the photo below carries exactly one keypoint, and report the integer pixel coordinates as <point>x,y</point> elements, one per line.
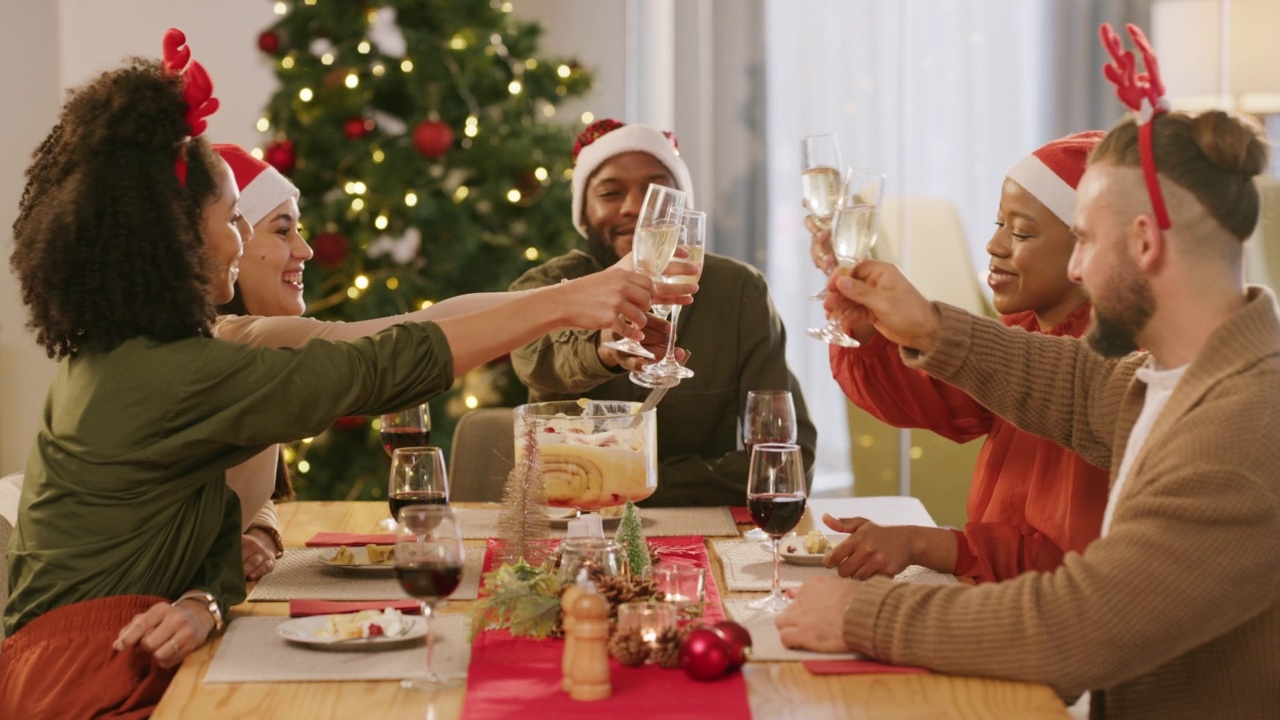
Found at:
<point>942,95</point>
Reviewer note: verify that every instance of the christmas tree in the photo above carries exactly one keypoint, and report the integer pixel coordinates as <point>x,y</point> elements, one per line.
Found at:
<point>631,541</point>
<point>424,140</point>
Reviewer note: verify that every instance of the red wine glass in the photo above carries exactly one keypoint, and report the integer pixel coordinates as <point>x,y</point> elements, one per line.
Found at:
<point>776,499</point>
<point>428,566</point>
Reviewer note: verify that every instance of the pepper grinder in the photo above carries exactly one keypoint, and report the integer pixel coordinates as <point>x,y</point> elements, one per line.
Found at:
<point>590,668</point>
<point>572,593</point>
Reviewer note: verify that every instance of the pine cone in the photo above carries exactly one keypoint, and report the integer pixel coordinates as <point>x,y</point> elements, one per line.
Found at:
<point>667,652</point>
<point>629,648</point>
<point>618,589</point>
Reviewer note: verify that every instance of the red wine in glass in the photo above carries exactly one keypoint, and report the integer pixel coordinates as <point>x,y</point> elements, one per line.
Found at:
<point>402,437</point>
<point>429,581</point>
<point>402,500</point>
<point>776,514</point>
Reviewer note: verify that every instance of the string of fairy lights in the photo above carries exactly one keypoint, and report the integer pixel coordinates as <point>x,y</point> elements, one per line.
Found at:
<point>391,213</point>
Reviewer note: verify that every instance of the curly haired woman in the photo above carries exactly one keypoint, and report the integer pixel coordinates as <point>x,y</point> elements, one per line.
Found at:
<point>127,550</point>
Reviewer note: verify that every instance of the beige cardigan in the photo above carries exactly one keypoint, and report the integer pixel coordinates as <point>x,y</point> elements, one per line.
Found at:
<point>1175,613</point>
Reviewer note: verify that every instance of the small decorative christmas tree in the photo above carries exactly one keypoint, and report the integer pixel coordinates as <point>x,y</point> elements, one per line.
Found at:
<point>631,541</point>
<point>523,524</point>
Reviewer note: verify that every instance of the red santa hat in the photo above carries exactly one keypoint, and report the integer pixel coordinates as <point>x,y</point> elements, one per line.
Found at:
<point>1052,173</point>
<point>262,187</point>
<point>604,139</point>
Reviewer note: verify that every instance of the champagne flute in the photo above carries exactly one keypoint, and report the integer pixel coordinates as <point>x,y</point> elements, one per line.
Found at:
<point>657,230</point>
<point>693,238</point>
<point>820,181</point>
<point>407,428</point>
<point>776,499</point>
<point>770,417</point>
<point>853,233</point>
<point>417,478</point>
<point>428,566</point>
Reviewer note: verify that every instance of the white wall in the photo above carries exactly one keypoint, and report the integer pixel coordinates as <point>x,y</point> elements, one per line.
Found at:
<point>30,86</point>
<point>47,47</point>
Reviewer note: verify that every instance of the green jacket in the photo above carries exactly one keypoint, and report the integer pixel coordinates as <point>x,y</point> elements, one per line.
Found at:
<point>737,344</point>
<point>125,489</point>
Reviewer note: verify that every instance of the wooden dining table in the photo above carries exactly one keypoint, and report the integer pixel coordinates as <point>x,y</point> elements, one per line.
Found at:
<point>776,690</point>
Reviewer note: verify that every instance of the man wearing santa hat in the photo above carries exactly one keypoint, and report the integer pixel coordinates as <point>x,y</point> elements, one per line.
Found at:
<point>734,337</point>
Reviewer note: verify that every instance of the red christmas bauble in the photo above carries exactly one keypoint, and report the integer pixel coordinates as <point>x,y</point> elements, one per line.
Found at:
<point>738,640</point>
<point>269,42</point>
<point>350,422</point>
<point>330,249</point>
<point>356,128</point>
<point>704,654</point>
<point>279,155</point>
<point>432,138</point>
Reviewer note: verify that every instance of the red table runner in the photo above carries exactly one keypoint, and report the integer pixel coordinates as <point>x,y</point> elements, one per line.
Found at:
<point>514,677</point>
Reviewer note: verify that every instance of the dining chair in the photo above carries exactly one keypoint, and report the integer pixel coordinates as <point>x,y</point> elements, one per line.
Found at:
<point>939,263</point>
<point>482,455</point>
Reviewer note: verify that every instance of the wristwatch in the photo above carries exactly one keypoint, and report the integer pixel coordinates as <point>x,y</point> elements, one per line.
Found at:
<point>205,597</point>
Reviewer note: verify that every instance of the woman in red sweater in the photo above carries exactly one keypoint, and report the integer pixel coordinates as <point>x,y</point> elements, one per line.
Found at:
<point>1030,501</point>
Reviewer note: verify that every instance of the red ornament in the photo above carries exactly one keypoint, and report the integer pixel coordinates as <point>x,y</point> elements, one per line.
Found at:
<point>330,249</point>
<point>350,423</point>
<point>269,42</point>
<point>356,128</point>
<point>279,155</point>
<point>704,654</point>
<point>738,640</point>
<point>432,138</point>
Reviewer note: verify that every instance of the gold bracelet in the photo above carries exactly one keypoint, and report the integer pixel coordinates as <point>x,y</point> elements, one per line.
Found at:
<point>275,537</point>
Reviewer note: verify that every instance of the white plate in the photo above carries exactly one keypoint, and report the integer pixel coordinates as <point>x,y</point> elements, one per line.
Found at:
<point>361,563</point>
<point>304,630</point>
<point>801,556</point>
<point>560,517</point>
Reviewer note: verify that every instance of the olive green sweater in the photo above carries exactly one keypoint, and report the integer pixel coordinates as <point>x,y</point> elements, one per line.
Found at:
<point>125,491</point>
<point>1176,612</point>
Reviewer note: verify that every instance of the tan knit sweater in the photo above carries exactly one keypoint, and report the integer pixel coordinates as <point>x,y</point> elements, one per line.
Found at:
<point>1176,612</point>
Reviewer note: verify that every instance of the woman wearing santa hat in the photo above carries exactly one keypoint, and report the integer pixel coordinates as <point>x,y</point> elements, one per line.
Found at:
<point>266,311</point>
<point>1030,501</point>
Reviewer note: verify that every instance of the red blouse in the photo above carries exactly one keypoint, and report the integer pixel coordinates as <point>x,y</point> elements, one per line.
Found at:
<point>1030,502</point>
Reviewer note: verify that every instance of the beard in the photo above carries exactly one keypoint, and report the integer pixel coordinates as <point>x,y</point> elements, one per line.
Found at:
<point>1117,322</point>
<point>600,247</point>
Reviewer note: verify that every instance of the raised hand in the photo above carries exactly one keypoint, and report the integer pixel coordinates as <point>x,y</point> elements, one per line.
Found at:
<point>820,251</point>
<point>877,293</point>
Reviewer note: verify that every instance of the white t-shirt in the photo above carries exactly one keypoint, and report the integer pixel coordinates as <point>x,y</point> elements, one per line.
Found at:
<point>1160,385</point>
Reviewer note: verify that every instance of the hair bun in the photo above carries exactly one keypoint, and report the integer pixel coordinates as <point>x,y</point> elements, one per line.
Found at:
<point>1232,142</point>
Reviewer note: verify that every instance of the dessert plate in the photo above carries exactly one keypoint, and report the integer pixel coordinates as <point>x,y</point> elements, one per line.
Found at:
<point>306,631</point>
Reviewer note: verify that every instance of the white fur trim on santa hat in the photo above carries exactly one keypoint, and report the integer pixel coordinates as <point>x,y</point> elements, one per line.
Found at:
<point>265,193</point>
<point>1036,178</point>
<point>628,138</point>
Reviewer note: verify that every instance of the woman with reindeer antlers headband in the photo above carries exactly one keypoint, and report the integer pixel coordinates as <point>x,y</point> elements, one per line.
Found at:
<point>126,551</point>
<point>1175,611</point>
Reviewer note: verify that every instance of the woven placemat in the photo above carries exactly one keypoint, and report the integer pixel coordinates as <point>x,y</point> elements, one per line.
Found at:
<point>304,574</point>
<point>748,565</point>
<point>482,523</point>
<point>251,651</point>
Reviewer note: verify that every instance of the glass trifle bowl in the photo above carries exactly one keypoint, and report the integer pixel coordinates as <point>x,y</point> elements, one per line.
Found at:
<point>592,454</point>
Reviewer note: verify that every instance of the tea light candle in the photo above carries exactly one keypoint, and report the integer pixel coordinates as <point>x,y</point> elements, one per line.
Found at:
<point>681,585</point>
<point>648,619</point>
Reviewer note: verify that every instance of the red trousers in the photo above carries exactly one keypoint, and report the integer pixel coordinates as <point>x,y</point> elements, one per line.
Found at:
<point>61,666</point>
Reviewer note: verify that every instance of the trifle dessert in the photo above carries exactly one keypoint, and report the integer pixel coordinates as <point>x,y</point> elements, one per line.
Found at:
<point>592,454</point>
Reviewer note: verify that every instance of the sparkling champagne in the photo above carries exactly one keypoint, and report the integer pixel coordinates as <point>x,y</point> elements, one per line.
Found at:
<point>821,186</point>
<point>653,247</point>
<point>695,258</point>
<point>854,232</point>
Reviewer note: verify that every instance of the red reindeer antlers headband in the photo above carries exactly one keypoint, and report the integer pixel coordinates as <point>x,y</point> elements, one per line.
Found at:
<point>1143,93</point>
<point>197,90</point>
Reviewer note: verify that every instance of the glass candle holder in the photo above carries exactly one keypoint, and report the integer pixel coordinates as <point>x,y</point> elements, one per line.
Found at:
<point>648,619</point>
<point>680,585</point>
<point>598,556</point>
